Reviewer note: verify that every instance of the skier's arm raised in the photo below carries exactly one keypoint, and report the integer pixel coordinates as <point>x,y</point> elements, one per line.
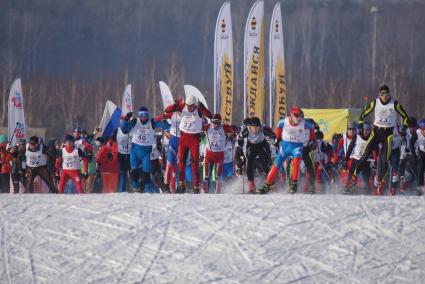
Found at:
<point>203,111</point>
<point>127,124</point>
<point>177,106</point>
<point>367,111</point>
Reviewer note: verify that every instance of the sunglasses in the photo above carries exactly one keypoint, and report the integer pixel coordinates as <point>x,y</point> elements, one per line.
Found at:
<point>143,114</point>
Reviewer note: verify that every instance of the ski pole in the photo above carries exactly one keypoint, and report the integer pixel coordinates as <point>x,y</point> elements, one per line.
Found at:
<point>323,168</point>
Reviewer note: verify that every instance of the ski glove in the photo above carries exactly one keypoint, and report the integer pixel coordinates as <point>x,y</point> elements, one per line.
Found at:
<point>128,115</point>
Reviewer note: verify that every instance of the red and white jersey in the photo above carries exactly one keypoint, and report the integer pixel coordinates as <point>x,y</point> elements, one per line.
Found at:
<point>294,133</point>
<point>216,139</point>
<point>359,148</point>
<point>71,161</point>
<point>143,134</point>
<point>123,142</point>
<point>229,152</point>
<point>175,121</point>
<point>35,159</point>
<point>190,122</point>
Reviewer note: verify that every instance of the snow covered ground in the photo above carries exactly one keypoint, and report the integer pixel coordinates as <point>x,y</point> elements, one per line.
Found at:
<point>277,238</point>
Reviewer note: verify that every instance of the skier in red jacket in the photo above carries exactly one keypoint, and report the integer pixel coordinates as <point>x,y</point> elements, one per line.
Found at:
<point>192,114</point>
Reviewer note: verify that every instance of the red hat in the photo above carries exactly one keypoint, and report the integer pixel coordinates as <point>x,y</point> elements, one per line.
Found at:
<point>296,111</point>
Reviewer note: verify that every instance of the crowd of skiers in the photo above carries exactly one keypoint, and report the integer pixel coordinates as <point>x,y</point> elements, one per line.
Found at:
<point>167,152</point>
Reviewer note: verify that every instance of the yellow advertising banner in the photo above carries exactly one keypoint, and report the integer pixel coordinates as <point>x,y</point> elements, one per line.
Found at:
<point>226,90</point>
<point>332,121</point>
<point>280,92</point>
<point>254,72</point>
<point>277,95</point>
<point>223,64</point>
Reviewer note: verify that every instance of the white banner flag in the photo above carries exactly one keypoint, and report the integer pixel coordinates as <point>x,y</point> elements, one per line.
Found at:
<point>223,64</point>
<point>16,118</point>
<point>167,97</point>
<point>127,101</point>
<point>192,90</point>
<point>254,73</point>
<point>277,96</point>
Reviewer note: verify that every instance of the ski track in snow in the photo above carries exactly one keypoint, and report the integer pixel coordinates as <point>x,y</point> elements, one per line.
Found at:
<point>277,238</point>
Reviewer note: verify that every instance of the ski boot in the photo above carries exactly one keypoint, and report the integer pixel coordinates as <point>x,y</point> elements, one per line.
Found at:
<point>404,187</point>
<point>292,187</point>
<point>312,190</point>
<point>419,191</point>
<point>166,188</point>
<point>205,185</point>
<point>196,190</point>
<point>252,189</point>
<point>347,190</point>
<point>142,188</point>
<point>351,182</point>
<point>181,188</point>
<point>265,189</point>
<point>380,188</point>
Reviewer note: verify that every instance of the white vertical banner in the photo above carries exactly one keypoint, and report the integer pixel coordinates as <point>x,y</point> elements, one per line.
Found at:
<point>166,95</point>
<point>254,73</point>
<point>223,64</point>
<point>16,118</point>
<point>127,101</point>
<point>190,90</point>
<point>277,94</point>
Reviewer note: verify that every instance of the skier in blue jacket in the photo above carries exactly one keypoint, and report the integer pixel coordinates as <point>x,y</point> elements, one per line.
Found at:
<point>142,130</point>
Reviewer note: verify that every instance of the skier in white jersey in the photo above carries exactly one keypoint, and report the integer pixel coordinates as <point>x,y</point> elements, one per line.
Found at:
<point>124,149</point>
<point>70,162</point>
<point>408,157</point>
<point>292,130</point>
<point>216,134</point>
<point>385,109</point>
<point>418,139</point>
<point>192,113</point>
<point>36,161</point>
<point>173,137</point>
<point>79,140</point>
<point>355,152</point>
<point>142,130</point>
